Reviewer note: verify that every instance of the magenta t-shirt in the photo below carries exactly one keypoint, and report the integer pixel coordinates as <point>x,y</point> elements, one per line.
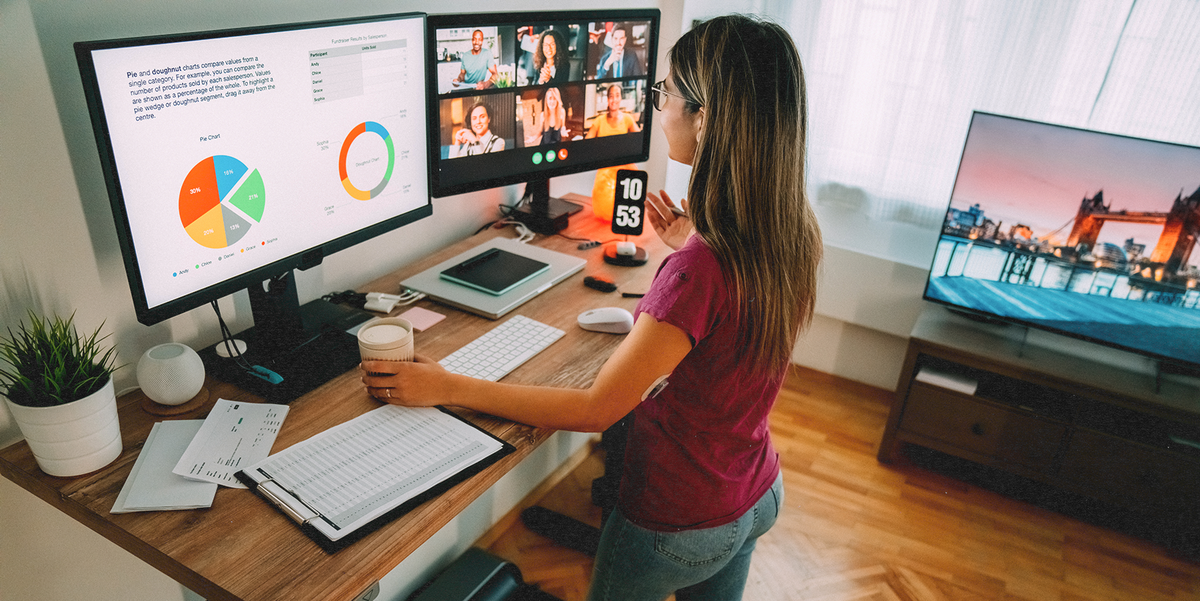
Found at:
<point>700,454</point>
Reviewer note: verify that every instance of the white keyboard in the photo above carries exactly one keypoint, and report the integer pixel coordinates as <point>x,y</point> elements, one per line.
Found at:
<point>503,349</point>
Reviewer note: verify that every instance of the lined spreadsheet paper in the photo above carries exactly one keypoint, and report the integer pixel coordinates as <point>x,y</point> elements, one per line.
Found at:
<point>353,474</point>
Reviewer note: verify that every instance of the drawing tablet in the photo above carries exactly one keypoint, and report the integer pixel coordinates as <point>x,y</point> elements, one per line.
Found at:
<point>494,271</point>
<point>488,305</point>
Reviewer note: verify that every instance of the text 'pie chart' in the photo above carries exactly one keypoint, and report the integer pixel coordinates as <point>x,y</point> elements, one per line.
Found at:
<point>219,202</point>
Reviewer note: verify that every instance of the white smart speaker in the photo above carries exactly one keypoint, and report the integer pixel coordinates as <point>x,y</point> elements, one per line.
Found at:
<point>171,374</point>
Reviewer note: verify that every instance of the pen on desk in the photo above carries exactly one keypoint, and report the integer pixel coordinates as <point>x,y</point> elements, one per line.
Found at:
<point>632,294</point>
<point>480,260</point>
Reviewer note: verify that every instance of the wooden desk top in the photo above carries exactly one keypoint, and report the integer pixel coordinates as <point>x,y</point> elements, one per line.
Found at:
<point>242,548</point>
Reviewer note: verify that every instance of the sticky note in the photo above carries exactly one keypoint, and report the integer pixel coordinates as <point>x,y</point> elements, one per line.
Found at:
<point>422,319</point>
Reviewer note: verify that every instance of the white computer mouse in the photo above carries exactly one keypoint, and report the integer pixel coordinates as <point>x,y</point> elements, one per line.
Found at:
<point>613,320</point>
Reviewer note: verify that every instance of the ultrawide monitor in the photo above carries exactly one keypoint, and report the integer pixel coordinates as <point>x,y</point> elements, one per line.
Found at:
<point>523,97</point>
<point>234,156</point>
<point>1079,232</point>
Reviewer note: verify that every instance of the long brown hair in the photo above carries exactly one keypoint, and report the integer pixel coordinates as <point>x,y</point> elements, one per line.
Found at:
<point>747,197</point>
<point>558,118</point>
<point>560,57</point>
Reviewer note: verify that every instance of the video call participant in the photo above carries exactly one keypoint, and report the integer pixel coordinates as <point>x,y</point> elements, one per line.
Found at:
<point>477,138</point>
<point>619,62</point>
<point>478,66</point>
<point>551,61</point>
<point>701,480</point>
<point>614,121</point>
<point>553,120</point>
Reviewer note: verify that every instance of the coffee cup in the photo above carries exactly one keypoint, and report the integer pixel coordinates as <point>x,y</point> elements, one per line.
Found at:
<point>386,339</point>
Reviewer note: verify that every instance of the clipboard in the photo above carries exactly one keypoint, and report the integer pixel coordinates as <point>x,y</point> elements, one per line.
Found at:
<point>354,478</point>
<point>495,271</point>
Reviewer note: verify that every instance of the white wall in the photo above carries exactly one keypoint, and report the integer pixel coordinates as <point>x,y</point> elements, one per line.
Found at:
<point>58,249</point>
<point>866,307</point>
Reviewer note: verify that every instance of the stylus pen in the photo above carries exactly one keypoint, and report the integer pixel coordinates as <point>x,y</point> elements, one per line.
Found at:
<point>481,259</point>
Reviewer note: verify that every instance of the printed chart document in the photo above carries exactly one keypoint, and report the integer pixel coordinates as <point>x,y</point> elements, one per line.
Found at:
<point>234,435</point>
<point>355,477</point>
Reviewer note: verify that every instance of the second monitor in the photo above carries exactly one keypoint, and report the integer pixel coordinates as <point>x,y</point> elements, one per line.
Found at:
<point>523,97</point>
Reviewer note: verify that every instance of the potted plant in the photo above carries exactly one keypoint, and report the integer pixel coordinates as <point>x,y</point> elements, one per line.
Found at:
<point>58,386</point>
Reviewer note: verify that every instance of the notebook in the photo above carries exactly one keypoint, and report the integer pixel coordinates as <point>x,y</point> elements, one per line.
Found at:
<point>352,479</point>
<point>152,486</point>
<point>488,305</point>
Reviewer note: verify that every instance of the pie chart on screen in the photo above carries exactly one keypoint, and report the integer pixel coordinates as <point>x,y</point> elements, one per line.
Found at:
<point>220,200</point>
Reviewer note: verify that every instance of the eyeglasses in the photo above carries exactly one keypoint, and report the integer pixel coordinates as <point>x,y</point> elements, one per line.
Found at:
<point>656,97</point>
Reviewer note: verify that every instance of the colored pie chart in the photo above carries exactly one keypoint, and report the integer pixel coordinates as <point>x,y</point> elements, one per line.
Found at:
<point>220,200</point>
<point>379,151</point>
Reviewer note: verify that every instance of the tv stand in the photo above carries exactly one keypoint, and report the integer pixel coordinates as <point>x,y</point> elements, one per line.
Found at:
<point>1103,432</point>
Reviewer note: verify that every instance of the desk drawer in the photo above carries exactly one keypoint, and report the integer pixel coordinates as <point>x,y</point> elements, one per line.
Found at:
<point>982,428</point>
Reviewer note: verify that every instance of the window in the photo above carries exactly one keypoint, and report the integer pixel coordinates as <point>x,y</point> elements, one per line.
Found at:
<point>892,84</point>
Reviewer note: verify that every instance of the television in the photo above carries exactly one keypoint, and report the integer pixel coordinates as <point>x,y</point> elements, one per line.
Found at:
<point>234,157</point>
<point>524,97</point>
<point>1082,233</point>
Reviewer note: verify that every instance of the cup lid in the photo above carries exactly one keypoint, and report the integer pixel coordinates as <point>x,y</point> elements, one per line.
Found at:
<point>386,332</point>
<point>383,333</point>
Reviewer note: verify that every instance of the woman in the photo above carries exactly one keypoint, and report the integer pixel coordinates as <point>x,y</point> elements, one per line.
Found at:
<point>551,61</point>
<point>551,125</point>
<point>477,138</point>
<point>554,118</point>
<point>701,481</point>
<point>614,121</point>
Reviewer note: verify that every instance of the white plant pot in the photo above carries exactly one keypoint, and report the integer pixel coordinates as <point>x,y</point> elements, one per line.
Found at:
<point>73,439</point>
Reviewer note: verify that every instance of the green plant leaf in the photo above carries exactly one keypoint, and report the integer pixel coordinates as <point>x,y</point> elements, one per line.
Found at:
<point>48,363</point>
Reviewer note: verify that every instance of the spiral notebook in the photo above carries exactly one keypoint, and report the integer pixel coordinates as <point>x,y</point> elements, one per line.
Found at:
<point>350,480</point>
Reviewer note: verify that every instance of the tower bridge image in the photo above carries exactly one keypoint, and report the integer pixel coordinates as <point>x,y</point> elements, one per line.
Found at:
<point>1181,227</point>
<point>1084,287</point>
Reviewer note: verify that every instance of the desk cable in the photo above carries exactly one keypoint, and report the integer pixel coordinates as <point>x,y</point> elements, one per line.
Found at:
<point>235,353</point>
<point>374,301</point>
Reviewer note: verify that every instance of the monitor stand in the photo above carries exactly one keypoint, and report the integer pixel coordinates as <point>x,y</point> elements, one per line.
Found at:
<point>305,346</point>
<point>544,215</point>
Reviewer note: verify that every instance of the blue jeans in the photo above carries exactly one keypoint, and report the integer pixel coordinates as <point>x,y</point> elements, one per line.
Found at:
<point>636,564</point>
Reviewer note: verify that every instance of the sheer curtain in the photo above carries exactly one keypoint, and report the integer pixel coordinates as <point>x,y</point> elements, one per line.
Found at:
<point>892,85</point>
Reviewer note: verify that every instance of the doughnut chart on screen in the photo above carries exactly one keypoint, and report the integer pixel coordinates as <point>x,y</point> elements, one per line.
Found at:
<point>344,171</point>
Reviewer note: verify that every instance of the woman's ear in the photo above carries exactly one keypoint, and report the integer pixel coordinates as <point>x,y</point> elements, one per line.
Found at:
<point>699,122</point>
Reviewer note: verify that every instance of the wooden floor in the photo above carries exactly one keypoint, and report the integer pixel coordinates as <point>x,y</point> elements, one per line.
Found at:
<point>857,529</point>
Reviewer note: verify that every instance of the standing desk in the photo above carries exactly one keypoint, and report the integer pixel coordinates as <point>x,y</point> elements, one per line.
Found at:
<point>242,548</point>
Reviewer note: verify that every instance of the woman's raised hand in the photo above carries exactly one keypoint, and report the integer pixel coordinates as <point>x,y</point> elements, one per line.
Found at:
<point>671,226</point>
